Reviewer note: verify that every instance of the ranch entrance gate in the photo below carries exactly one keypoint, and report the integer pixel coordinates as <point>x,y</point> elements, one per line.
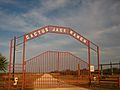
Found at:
<point>51,68</point>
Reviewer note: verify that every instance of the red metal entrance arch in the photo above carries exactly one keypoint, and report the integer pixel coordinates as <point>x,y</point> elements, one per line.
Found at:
<point>42,31</point>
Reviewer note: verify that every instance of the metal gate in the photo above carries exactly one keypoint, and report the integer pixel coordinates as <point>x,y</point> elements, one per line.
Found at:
<point>55,69</point>
<point>60,66</point>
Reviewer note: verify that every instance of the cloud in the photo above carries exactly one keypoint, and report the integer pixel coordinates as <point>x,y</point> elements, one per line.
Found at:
<point>97,20</point>
<point>13,23</point>
<point>109,36</point>
<point>50,5</point>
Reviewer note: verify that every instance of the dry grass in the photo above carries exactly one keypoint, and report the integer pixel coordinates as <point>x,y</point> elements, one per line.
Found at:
<point>69,79</point>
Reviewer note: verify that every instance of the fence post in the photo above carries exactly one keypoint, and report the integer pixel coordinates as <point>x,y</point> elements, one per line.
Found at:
<point>78,70</point>
<point>111,67</point>
<point>101,70</point>
<point>119,81</point>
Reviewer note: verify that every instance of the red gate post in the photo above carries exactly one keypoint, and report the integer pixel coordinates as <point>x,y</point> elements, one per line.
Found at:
<point>89,63</point>
<point>23,65</point>
<point>98,57</point>
<point>9,81</point>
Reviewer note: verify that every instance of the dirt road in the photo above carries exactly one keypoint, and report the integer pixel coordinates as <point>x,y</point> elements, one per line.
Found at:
<point>48,82</point>
<point>48,79</point>
<point>73,88</point>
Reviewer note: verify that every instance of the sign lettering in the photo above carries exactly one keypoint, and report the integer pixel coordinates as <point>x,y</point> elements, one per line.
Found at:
<point>36,33</point>
<point>51,29</point>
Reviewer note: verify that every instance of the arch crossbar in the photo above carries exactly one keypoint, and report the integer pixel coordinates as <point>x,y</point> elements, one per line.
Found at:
<point>58,30</point>
<point>22,40</point>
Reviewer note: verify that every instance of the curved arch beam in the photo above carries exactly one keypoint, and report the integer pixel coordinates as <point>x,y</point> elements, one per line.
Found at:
<point>58,30</point>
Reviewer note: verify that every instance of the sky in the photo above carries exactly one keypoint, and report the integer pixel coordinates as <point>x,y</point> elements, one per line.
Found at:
<point>97,20</point>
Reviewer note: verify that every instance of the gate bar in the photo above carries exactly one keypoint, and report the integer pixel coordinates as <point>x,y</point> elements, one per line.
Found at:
<point>89,62</point>
<point>23,65</point>
<point>14,54</point>
<point>9,82</point>
<point>58,61</point>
